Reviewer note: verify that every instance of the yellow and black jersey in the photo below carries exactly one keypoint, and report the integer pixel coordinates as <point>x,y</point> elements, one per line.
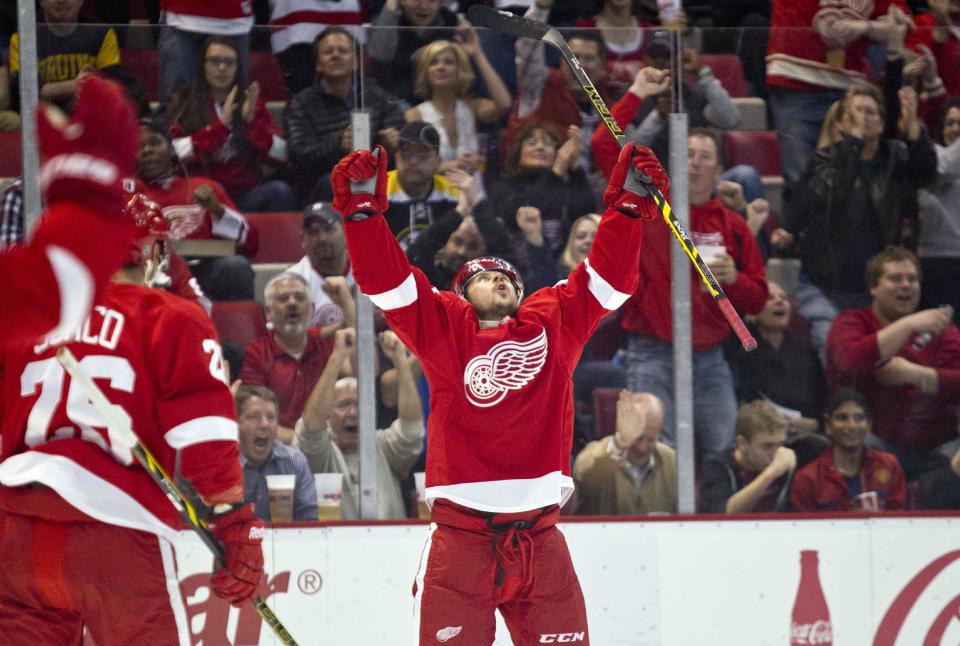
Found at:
<point>62,58</point>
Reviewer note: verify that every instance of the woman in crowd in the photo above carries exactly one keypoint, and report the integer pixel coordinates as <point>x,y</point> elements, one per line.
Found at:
<point>848,476</point>
<point>579,241</point>
<point>444,80</point>
<point>224,132</point>
<point>543,170</point>
<point>624,34</point>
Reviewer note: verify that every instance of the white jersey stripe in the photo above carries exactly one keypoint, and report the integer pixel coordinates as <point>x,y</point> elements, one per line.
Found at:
<point>87,492</point>
<point>201,429</point>
<point>421,573</point>
<point>75,285</point>
<point>177,604</point>
<point>522,494</point>
<point>400,296</point>
<point>609,298</point>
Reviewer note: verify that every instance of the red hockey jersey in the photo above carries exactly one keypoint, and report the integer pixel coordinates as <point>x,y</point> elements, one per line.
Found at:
<point>501,405</point>
<point>155,355</point>
<point>220,17</point>
<point>190,221</point>
<point>54,280</point>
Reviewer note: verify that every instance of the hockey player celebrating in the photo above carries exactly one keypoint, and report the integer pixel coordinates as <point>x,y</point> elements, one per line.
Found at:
<point>53,281</point>
<point>501,421</point>
<point>84,531</point>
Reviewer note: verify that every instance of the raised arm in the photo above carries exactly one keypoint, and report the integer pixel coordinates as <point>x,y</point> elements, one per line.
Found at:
<point>379,265</point>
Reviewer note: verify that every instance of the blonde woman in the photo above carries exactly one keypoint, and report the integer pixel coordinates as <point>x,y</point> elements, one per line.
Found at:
<point>444,77</point>
<point>579,241</point>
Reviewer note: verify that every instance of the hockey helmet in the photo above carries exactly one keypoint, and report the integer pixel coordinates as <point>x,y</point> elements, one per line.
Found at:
<point>471,268</point>
<point>151,230</point>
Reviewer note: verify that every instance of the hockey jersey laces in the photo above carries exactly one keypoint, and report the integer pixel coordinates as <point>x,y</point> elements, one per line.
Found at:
<point>508,540</point>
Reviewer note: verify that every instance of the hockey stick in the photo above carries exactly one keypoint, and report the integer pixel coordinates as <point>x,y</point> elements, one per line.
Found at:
<point>179,493</point>
<point>511,24</point>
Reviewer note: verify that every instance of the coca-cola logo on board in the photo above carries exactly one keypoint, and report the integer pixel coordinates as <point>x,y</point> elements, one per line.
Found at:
<point>892,623</point>
<point>819,632</point>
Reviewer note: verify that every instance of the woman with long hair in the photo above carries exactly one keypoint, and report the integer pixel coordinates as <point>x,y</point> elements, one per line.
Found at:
<point>224,132</point>
<point>444,77</point>
<point>543,170</point>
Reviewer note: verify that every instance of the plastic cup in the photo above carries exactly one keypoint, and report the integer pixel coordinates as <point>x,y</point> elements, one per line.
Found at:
<point>867,501</point>
<point>423,511</point>
<point>709,251</point>
<point>329,487</point>
<point>280,493</point>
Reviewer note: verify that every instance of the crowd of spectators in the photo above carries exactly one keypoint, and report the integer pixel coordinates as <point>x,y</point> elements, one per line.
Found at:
<point>850,401</point>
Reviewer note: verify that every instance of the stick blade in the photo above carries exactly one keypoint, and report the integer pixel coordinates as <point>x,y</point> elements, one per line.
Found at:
<point>506,22</point>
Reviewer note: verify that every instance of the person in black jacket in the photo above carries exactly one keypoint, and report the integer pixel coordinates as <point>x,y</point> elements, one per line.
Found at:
<point>853,201</point>
<point>317,120</point>
<point>543,170</point>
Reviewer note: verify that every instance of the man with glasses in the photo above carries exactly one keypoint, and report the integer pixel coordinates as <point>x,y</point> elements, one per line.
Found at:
<point>906,363</point>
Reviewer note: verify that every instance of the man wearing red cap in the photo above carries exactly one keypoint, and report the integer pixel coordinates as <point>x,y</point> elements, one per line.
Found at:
<point>501,422</point>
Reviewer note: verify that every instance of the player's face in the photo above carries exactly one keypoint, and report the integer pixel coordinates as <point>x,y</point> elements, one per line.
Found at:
<point>464,244</point>
<point>289,307</point>
<point>492,295</point>
<point>757,453</point>
<point>257,423</point>
<point>343,418</point>
<point>220,67</point>
<point>323,242</point>
<point>154,156</point>
<point>335,56</point>
<point>642,448</point>
<point>897,293</point>
<point>776,312</point>
<point>848,426</point>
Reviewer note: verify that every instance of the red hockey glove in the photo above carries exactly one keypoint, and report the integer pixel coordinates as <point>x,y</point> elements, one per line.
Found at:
<point>240,533</point>
<point>360,183</point>
<point>86,158</point>
<point>636,171</point>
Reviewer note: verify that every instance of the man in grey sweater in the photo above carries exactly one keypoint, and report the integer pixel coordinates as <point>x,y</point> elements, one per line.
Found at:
<point>327,431</point>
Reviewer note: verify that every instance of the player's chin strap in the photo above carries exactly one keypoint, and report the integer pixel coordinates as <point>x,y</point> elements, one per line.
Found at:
<point>186,500</point>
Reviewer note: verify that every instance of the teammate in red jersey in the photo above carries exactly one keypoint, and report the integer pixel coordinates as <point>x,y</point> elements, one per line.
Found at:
<point>84,530</point>
<point>53,281</point>
<point>501,420</point>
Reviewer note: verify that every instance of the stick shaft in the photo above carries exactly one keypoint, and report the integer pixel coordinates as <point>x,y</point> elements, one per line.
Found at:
<point>120,427</point>
<point>503,21</point>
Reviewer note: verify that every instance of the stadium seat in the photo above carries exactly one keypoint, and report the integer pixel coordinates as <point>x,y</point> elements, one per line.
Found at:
<point>10,154</point>
<point>729,71</point>
<point>279,236</point>
<point>265,69</point>
<point>753,113</point>
<point>758,149</point>
<point>605,410</point>
<point>238,321</point>
<point>145,65</point>
<point>607,338</point>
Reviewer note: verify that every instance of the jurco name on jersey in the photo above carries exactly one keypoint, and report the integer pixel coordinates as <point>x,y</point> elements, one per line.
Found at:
<point>106,334</point>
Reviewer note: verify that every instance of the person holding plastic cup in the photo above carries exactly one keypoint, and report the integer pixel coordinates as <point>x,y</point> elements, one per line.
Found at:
<point>276,478</point>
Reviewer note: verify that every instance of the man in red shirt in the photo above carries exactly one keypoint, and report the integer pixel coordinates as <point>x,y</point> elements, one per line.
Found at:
<point>905,362</point>
<point>501,421</point>
<point>290,359</point>
<point>735,260</point>
<point>848,475</point>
